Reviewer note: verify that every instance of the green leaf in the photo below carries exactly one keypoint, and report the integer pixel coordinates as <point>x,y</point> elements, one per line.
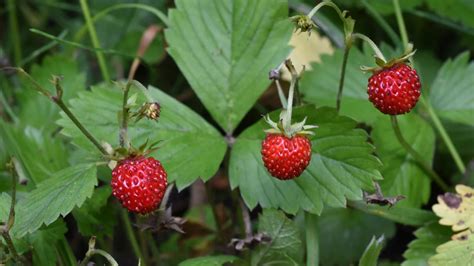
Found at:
<point>348,230</point>
<point>225,49</point>
<point>455,252</point>
<point>372,252</point>
<point>94,217</point>
<point>402,176</point>
<point>183,133</point>
<point>44,241</point>
<point>209,261</point>
<point>424,246</point>
<point>285,246</point>
<point>37,110</point>
<point>56,196</point>
<point>320,85</point>
<point>403,215</point>
<point>342,165</point>
<point>451,93</point>
<point>457,10</point>
<point>40,154</point>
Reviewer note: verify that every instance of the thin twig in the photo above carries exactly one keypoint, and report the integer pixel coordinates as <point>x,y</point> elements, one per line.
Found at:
<point>418,158</point>
<point>93,251</point>
<point>5,229</point>
<point>347,49</point>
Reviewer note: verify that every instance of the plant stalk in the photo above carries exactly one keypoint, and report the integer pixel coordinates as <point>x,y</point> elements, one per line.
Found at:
<point>418,158</point>
<point>131,235</point>
<point>93,251</point>
<point>437,122</point>
<point>382,22</point>
<point>94,39</point>
<point>78,124</point>
<point>312,239</point>
<point>347,49</point>
<point>444,136</point>
<point>14,31</point>
<point>374,47</point>
<point>401,23</point>
<point>123,135</point>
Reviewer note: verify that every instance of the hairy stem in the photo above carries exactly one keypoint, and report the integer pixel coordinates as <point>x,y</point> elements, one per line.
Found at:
<point>14,31</point>
<point>312,239</point>
<point>374,47</point>
<point>437,123</point>
<point>123,135</point>
<point>401,23</point>
<point>418,158</point>
<point>94,39</point>
<point>93,251</point>
<point>382,22</point>
<point>130,234</point>
<point>444,136</point>
<point>281,95</point>
<point>347,49</point>
<point>78,124</point>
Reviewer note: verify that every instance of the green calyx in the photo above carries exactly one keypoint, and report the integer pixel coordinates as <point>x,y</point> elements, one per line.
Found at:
<point>284,126</point>
<point>382,64</point>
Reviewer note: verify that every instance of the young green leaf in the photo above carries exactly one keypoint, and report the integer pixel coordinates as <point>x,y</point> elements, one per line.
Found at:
<point>451,93</point>
<point>55,196</point>
<point>424,246</point>
<point>225,49</point>
<point>402,176</point>
<point>342,165</point>
<point>209,261</point>
<point>190,147</point>
<point>372,252</point>
<point>285,246</point>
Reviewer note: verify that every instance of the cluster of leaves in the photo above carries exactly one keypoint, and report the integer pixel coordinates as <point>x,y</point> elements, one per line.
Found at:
<point>224,50</point>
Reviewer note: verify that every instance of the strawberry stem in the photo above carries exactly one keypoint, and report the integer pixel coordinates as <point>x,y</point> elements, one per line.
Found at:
<point>374,47</point>
<point>5,229</point>
<point>434,117</point>
<point>347,49</point>
<point>418,158</point>
<point>93,251</point>
<point>291,92</point>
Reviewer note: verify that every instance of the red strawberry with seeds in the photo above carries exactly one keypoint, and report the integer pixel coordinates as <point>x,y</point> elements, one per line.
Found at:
<point>394,90</point>
<point>286,158</point>
<point>139,183</point>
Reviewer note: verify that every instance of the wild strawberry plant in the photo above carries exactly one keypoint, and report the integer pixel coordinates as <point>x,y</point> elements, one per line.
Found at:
<point>193,133</point>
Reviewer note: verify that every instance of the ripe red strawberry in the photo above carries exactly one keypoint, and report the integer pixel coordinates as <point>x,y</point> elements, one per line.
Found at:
<point>286,158</point>
<point>394,90</point>
<point>139,183</point>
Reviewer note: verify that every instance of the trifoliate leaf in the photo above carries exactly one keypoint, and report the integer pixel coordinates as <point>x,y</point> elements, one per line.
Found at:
<point>285,246</point>
<point>424,246</point>
<point>225,52</point>
<point>451,93</point>
<point>342,165</point>
<point>55,196</point>
<point>183,133</point>
<point>402,175</point>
